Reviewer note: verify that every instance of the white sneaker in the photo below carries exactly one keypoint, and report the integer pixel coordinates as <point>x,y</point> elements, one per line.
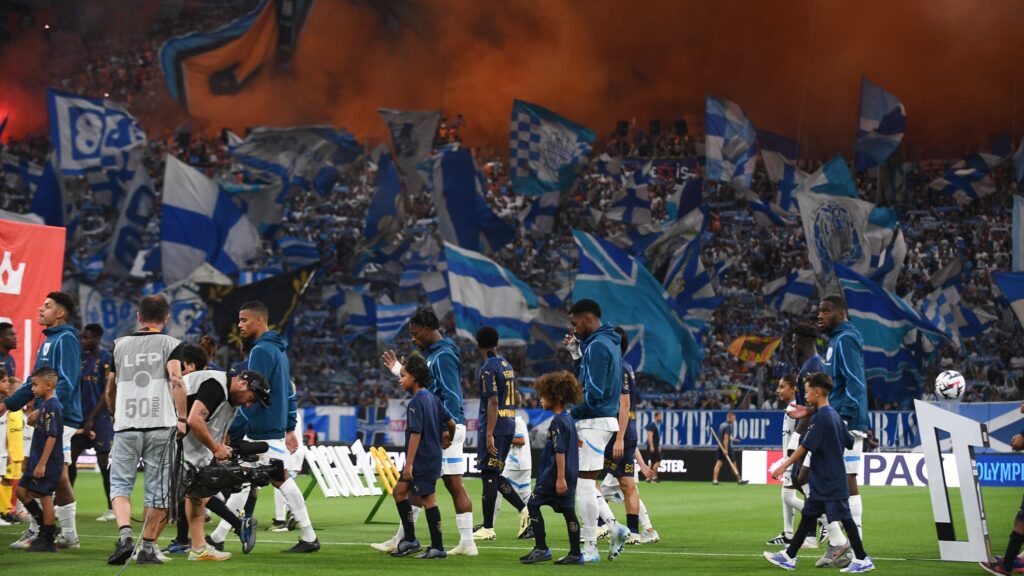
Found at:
<point>107,516</point>
<point>602,531</point>
<point>484,534</point>
<point>633,539</point>
<point>23,541</point>
<point>858,566</point>
<point>5,522</point>
<point>388,546</point>
<point>591,557</point>
<point>524,521</point>
<point>617,541</point>
<point>464,550</point>
<point>649,537</point>
<point>65,543</point>
<point>208,554</point>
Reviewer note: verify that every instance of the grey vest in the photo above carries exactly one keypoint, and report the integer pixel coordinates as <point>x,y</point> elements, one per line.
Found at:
<point>195,452</point>
<point>143,387</point>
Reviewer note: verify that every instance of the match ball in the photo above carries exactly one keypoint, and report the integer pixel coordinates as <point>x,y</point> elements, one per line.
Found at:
<point>950,385</point>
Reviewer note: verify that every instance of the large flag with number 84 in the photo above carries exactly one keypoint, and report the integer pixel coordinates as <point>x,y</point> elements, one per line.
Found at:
<point>89,133</point>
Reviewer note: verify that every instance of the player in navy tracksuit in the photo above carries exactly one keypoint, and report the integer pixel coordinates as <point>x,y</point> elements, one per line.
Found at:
<point>426,416</point>
<point>826,438</point>
<point>558,470</point>
<point>495,428</point>
<point>97,431</point>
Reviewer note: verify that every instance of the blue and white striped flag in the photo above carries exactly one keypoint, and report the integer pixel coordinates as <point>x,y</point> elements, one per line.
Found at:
<point>690,284</point>
<point>304,156</point>
<point>630,202</point>
<point>896,337</point>
<point>297,252</point>
<point>684,198</point>
<point>544,149</point>
<point>486,294</point>
<point>1017,242</point>
<point>89,133</point>
<point>463,216</point>
<point>412,138</point>
<point>1011,284</point>
<point>391,318</point>
<point>937,307</point>
<point>780,155</point>
<point>199,223</point>
<point>766,214</point>
<point>883,120</point>
<point>790,293</point>
<point>631,297</point>
<point>43,185</point>
<point>135,216</point>
<point>731,143</point>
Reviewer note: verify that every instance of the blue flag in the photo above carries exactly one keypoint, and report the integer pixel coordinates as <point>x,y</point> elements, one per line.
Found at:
<point>897,338</point>
<point>731,143</point>
<point>630,202</point>
<point>137,186</point>
<point>780,155</point>
<point>1018,162</point>
<point>883,120</point>
<point>631,297</point>
<point>685,198</point>
<point>391,318</point>
<point>298,252</point>
<point>382,216</point>
<point>1011,284</point>
<point>689,283</point>
<point>463,216</point>
<point>486,294</point>
<point>832,179</point>
<point>966,181</point>
<point>89,133</point>
<point>304,156</point>
<point>539,214</point>
<point>544,149</point>
<point>790,293</point>
<point>41,184</point>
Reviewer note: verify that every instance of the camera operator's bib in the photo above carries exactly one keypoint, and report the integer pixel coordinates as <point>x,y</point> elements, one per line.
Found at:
<point>143,392</point>
<point>195,452</point>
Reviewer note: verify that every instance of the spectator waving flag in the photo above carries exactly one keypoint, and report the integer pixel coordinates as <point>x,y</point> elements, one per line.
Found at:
<point>544,149</point>
<point>199,223</point>
<point>1011,284</point>
<point>1017,242</point>
<point>790,293</point>
<point>304,156</point>
<point>883,120</point>
<point>730,143</point>
<point>412,138</point>
<point>89,133</point>
<point>631,297</point>
<point>780,155</point>
<point>486,294</point>
<point>391,318</point>
<point>463,216</point>
<point>42,184</point>
<point>896,337</point>
<point>754,349</point>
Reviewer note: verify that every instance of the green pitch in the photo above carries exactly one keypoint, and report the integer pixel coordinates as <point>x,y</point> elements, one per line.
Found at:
<point>704,530</point>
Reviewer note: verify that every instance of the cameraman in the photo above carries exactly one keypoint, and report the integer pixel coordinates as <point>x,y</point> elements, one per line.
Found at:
<point>213,400</point>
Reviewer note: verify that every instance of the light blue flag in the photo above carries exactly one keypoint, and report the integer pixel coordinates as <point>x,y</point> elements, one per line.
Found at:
<point>544,149</point>
<point>780,155</point>
<point>1018,234</point>
<point>486,294</point>
<point>436,286</point>
<point>965,181</point>
<point>631,297</point>
<point>297,252</point>
<point>138,210</point>
<point>882,122</point>
<point>391,318</point>
<point>684,198</point>
<point>766,214</point>
<point>89,133</point>
<point>689,283</point>
<point>896,337</point>
<point>832,179</point>
<point>1011,284</point>
<point>199,223</point>
<point>1018,162</point>
<point>546,333</point>
<point>303,156</point>
<point>463,216</point>
<point>630,202</point>
<point>730,143</point>
<point>539,215</point>
<point>42,184</point>
<point>382,218</point>
<point>790,293</point>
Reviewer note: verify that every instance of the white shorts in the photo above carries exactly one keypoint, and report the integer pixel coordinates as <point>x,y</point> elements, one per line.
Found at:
<point>592,445</point>
<point>276,451</point>
<point>453,458</point>
<point>69,433</point>
<point>519,479</point>
<point>852,457</point>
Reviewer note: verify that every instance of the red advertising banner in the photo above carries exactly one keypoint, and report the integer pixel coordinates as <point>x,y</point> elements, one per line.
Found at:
<point>31,266</point>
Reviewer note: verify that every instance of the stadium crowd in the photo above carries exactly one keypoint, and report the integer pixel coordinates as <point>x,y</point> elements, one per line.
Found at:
<point>333,364</point>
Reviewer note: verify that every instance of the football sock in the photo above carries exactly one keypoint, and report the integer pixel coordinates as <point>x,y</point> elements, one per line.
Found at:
<point>124,533</point>
<point>490,496</point>
<point>47,532</point>
<point>854,535</point>
<point>103,463</point>
<point>537,523</point>
<point>66,517</point>
<point>408,522</point>
<point>510,494</point>
<point>633,523</point>
<point>293,496</point>
<point>585,490</point>
<point>789,510</point>
<point>35,510</point>
<point>1012,550</point>
<point>400,535</point>
<point>235,502</point>
<point>464,522</point>
<point>857,510</point>
<point>280,506</point>
<point>604,511</point>
<point>645,519</point>
<point>434,524</point>
<point>835,534</point>
<point>573,526</point>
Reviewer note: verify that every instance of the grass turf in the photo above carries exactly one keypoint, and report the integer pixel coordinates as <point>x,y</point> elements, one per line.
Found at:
<point>704,530</point>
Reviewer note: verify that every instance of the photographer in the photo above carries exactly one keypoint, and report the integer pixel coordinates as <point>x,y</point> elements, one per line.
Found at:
<point>213,400</point>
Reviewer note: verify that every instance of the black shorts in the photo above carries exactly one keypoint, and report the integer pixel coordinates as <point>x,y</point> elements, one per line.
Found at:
<point>484,461</point>
<point>720,456</point>
<point>654,455</point>
<point>104,439</point>
<point>624,466</point>
<point>422,486</point>
<point>835,510</point>
<point>559,503</point>
<point>45,485</point>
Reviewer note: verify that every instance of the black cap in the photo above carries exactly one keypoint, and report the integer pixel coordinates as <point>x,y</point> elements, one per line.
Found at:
<point>258,385</point>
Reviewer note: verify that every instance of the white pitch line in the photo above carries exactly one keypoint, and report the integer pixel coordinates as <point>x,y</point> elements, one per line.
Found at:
<point>630,550</point>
